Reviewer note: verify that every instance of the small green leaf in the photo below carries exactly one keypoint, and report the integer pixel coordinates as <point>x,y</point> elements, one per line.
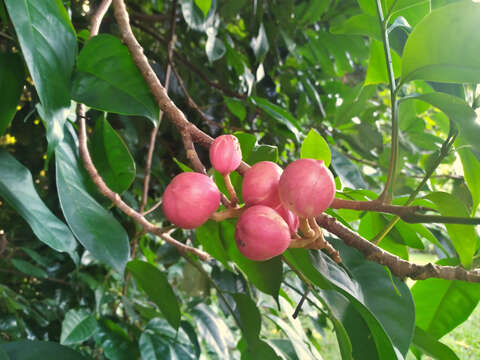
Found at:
<point>107,79</point>
<point>29,269</point>
<point>78,326</point>
<point>18,189</point>
<point>204,5</point>
<point>12,78</point>
<point>111,157</point>
<point>463,237</point>
<point>444,46</point>
<point>263,153</point>
<point>156,285</point>
<point>431,346</point>
<point>315,147</point>
<point>34,350</point>
<point>96,228</point>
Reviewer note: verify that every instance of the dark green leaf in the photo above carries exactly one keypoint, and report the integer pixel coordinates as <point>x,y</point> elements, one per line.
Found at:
<point>237,108</point>
<point>443,46</point>
<point>452,304</point>
<point>107,79</point>
<point>156,285</point>
<point>431,346</point>
<point>29,269</point>
<point>12,78</point>
<point>115,342</point>
<point>208,235</point>
<point>111,157</point>
<point>78,326</point>
<point>463,236</point>
<point>347,171</point>
<point>35,350</point>
<point>96,229</point>
<point>17,188</point>
<point>315,147</point>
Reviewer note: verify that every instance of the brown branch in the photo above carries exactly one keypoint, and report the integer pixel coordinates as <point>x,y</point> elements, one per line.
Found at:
<point>397,266</point>
<point>103,188</point>
<point>97,17</point>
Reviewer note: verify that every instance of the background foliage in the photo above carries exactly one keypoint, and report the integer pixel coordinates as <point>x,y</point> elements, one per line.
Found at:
<point>291,79</point>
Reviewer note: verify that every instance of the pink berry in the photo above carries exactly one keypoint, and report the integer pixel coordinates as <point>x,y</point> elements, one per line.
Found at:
<point>307,187</point>
<point>290,218</point>
<point>260,184</point>
<point>190,199</point>
<point>261,233</point>
<point>225,154</point>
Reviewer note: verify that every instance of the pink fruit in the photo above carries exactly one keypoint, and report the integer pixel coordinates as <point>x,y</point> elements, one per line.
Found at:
<point>260,184</point>
<point>290,218</point>
<point>261,233</point>
<point>307,187</point>
<point>225,154</point>
<point>190,199</point>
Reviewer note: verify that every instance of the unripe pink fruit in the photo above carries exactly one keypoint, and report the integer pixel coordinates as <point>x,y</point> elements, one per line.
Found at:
<point>260,184</point>
<point>190,199</point>
<point>290,218</point>
<point>307,187</point>
<point>225,154</point>
<point>261,233</point>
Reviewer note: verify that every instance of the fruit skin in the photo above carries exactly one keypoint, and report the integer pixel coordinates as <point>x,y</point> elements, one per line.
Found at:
<point>225,154</point>
<point>290,218</point>
<point>307,187</point>
<point>190,199</point>
<point>260,184</point>
<point>261,233</point>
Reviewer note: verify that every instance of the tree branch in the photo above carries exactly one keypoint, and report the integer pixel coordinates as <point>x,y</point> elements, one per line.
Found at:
<point>397,266</point>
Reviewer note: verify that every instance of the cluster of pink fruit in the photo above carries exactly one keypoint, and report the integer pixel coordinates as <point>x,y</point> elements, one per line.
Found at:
<point>276,201</point>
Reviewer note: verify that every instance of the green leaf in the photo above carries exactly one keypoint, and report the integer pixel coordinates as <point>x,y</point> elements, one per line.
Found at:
<point>34,350</point>
<point>111,157</point>
<point>377,65</point>
<point>29,269</point>
<point>247,142</point>
<point>463,237</point>
<point>471,172</point>
<point>265,275</point>
<point>213,330</point>
<point>431,346</point>
<point>214,48</point>
<point>347,171</point>
<point>279,114</point>
<point>12,78</point>
<point>159,341</point>
<point>107,79</point>
<point>452,304</point>
<point>237,108</point>
<point>96,228</point>
<point>362,24</point>
<point>260,44</point>
<point>18,189</point>
<point>263,153</point>
<point>444,46</point>
<point>155,284</point>
<point>3,354</point>
<point>315,147</point>
<point>115,342</point>
<point>459,112</point>
<point>49,49</point>
<point>194,17</point>
<point>204,5</point>
<point>208,235</point>
<point>78,326</point>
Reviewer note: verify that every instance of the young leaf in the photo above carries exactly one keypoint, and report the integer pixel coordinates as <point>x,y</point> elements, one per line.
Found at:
<point>315,147</point>
<point>12,78</point>
<point>17,188</point>
<point>96,228</point>
<point>156,285</point>
<point>107,79</point>
<point>111,157</point>
<point>78,326</point>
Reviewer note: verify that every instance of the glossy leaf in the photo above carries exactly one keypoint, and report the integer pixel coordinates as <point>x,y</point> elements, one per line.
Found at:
<point>431,346</point>
<point>347,171</point>
<point>156,285</point>
<point>107,79</point>
<point>17,188</point>
<point>463,236</point>
<point>111,157</point>
<point>208,235</point>
<point>96,228</point>
<point>159,341</point>
<point>459,112</point>
<point>115,341</point>
<point>315,147</point>
<point>78,326</point>
<point>213,330</point>
<point>265,275</point>
<point>444,46</point>
<point>29,269</point>
<point>12,78</point>
<point>34,350</point>
<point>452,304</point>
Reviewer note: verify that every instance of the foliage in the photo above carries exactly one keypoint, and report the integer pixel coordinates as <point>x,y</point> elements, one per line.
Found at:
<point>306,78</point>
